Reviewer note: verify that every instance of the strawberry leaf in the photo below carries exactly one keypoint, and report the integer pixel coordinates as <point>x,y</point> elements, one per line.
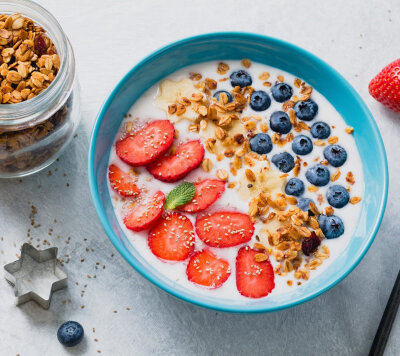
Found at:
<point>180,195</point>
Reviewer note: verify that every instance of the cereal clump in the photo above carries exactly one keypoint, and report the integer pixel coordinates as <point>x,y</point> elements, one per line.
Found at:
<point>29,59</point>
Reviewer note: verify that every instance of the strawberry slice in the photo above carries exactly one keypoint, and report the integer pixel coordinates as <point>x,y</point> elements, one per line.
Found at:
<point>146,145</point>
<point>207,269</point>
<point>122,182</point>
<point>145,215</point>
<point>224,229</point>
<point>172,237</point>
<point>172,168</point>
<point>253,279</point>
<point>207,192</point>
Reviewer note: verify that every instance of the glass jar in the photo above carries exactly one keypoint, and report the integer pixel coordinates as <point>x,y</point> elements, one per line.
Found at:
<point>33,133</point>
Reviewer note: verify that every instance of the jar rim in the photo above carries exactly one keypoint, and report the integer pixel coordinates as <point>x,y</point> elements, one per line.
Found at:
<point>58,90</point>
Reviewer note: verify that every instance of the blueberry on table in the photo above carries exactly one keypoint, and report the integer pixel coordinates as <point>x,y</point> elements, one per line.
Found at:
<point>281,92</point>
<point>219,92</point>
<point>306,110</point>
<point>283,161</point>
<point>302,145</point>
<point>304,204</point>
<point>294,186</point>
<point>320,130</point>
<point>260,100</point>
<point>337,196</point>
<point>70,333</point>
<point>318,175</point>
<point>332,226</point>
<point>280,122</point>
<point>240,78</point>
<point>261,143</point>
<point>336,155</point>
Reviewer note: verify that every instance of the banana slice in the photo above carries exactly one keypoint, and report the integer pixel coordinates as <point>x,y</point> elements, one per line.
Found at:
<point>221,145</point>
<point>268,180</point>
<point>170,91</point>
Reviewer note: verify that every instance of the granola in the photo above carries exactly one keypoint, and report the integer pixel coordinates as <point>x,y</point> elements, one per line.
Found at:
<point>29,60</point>
<point>29,64</point>
<point>27,149</point>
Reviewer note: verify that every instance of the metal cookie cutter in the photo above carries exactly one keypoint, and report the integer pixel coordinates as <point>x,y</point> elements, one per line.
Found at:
<point>36,275</point>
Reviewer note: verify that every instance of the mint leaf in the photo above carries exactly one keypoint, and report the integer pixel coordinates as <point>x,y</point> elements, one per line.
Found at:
<point>180,195</point>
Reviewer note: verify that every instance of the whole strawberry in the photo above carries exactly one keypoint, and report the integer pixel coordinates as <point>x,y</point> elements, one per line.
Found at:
<point>385,87</point>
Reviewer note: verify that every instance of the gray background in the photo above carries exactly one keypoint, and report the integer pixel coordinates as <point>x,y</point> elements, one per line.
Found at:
<point>356,37</point>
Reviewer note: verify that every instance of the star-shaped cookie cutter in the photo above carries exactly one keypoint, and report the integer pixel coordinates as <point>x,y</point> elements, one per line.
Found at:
<point>36,275</point>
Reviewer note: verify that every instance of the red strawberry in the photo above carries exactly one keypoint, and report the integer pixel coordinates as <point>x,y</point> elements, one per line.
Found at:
<point>385,87</point>
<point>172,237</point>
<point>207,192</point>
<point>122,182</point>
<point>253,279</point>
<point>146,145</point>
<point>224,229</point>
<point>172,168</point>
<point>145,215</point>
<point>208,270</point>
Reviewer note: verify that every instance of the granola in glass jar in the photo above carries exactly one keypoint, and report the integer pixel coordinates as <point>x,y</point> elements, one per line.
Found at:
<point>38,101</point>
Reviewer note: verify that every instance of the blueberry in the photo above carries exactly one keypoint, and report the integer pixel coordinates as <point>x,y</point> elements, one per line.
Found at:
<point>240,78</point>
<point>280,122</point>
<point>304,204</point>
<point>320,130</point>
<point>294,187</point>
<point>70,333</point>
<point>332,226</point>
<point>281,92</point>
<point>260,100</point>
<point>306,110</point>
<point>336,155</point>
<point>228,94</point>
<point>261,143</point>
<point>283,161</point>
<point>337,196</point>
<point>318,175</point>
<point>302,145</point>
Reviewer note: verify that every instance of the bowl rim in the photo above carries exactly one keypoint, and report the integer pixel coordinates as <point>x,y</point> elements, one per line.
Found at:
<point>142,270</point>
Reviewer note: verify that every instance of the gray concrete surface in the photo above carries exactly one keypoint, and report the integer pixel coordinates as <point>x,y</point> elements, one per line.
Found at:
<point>356,37</point>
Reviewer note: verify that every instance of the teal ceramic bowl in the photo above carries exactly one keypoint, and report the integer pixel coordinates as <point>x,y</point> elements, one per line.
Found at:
<point>276,53</point>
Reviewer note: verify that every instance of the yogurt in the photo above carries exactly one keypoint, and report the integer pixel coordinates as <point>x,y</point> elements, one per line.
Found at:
<point>153,104</point>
